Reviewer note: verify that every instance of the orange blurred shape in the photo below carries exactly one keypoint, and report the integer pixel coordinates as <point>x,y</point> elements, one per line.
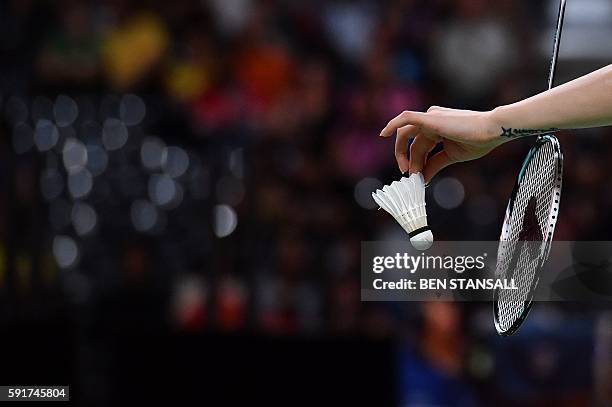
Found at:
<point>264,71</point>
<point>231,304</point>
<point>132,51</point>
<point>190,303</point>
<point>192,318</point>
<point>186,80</point>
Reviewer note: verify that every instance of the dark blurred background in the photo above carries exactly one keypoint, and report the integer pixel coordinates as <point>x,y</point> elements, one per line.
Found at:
<point>185,186</point>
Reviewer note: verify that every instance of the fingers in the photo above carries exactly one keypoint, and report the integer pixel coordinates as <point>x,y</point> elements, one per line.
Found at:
<point>419,149</point>
<point>401,146</point>
<point>435,164</point>
<point>403,119</point>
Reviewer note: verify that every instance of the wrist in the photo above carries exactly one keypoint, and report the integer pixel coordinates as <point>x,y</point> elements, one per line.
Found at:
<point>503,119</point>
<point>494,127</point>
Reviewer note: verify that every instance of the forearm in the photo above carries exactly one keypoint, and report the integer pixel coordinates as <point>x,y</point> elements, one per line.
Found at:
<point>583,102</point>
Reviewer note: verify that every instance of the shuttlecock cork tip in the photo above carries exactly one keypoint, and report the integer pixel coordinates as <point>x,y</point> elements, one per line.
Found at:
<point>422,240</point>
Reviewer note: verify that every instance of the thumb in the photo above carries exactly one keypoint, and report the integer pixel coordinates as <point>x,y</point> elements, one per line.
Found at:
<point>435,164</point>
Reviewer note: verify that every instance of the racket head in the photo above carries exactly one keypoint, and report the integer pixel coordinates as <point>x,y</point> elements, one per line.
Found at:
<point>531,215</point>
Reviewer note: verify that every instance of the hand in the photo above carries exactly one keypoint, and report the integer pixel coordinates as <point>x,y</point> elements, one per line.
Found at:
<point>465,135</point>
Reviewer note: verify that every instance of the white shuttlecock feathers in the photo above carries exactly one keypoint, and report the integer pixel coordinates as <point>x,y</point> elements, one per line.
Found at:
<point>405,201</point>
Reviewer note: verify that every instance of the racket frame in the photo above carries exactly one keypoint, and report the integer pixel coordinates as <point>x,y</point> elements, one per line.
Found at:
<point>552,217</point>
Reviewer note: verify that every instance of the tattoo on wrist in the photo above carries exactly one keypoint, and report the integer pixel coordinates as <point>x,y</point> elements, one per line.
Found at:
<point>515,133</point>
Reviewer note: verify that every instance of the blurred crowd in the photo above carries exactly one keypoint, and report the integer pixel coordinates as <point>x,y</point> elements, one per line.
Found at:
<point>231,152</point>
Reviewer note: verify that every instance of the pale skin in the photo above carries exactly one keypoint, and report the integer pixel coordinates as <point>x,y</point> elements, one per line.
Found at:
<point>467,135</point>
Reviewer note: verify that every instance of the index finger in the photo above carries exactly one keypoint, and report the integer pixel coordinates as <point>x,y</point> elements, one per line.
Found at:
<point>405,118</point>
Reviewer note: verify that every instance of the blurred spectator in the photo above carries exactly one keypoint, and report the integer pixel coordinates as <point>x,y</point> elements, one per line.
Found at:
<point>432,373</point>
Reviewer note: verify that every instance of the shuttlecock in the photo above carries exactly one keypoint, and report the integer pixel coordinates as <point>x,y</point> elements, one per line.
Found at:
<point>405,201</point>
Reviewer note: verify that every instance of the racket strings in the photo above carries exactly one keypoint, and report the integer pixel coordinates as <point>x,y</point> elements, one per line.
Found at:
<point>538,182</point>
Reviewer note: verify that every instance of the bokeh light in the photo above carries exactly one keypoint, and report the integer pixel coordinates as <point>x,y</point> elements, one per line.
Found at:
<point>84,218</point>
<point>74,155</point>
<point>80,183</point>
<point>132,110</point>
<point>165,191</point>
<point>151,153</point>
<point>175,161</point>
<point>65,110</point>
<point>46,135</point>
<point>144,215</point>
<point>449,193</point>
<point>114,134</point>
<point>97,159</point>
<point>363,192</point>
<point>225,220</point>
<point>65,251</point>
